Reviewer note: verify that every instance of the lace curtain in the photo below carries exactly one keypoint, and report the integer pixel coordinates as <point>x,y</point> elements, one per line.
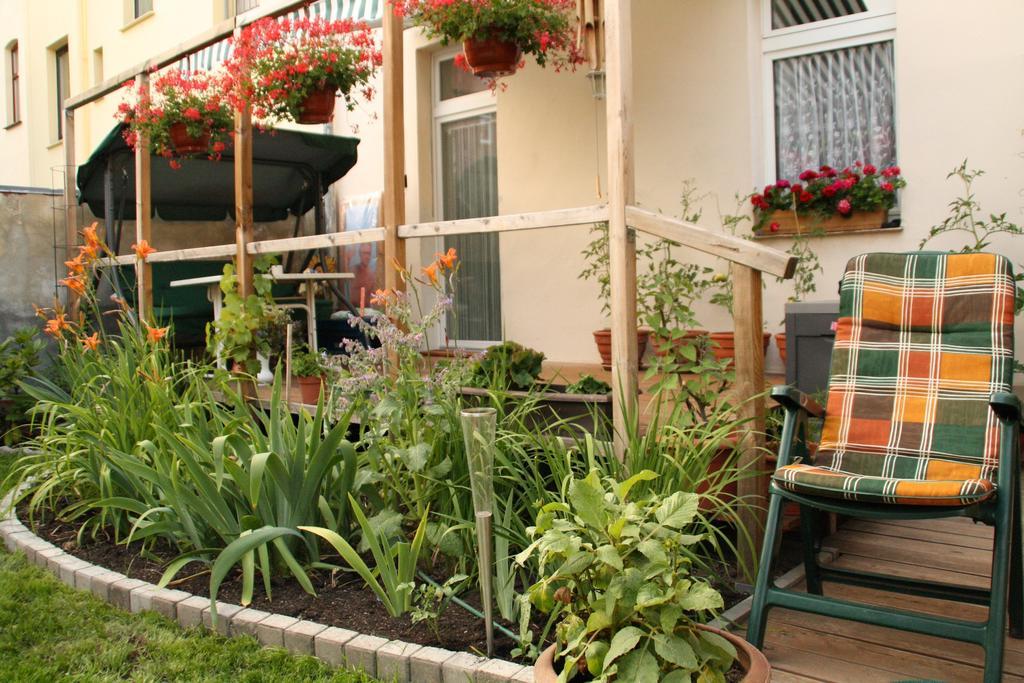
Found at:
<point>835,108</point>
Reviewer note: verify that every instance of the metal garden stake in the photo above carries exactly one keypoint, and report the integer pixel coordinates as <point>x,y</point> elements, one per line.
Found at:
<point>478,428</point>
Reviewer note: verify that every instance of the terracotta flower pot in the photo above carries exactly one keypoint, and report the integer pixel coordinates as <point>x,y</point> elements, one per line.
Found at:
<point>184,143</point>
<point>751,660</point>
<point>780,341</point>
<point>724,347</point>
<point>310,388</point>
<point>603,338</point>
<point>491,57</point>
<point>318,107</point>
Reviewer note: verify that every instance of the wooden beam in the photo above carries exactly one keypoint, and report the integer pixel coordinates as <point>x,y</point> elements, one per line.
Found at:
<point>394,148</point>
<point>729,247</point>
<point>70,203</point>
<point>143,212</point>
<point>752,487</point>
<point>519,221</point>
<point>621,244</point>
<point>244,227</point>
<point>331,239</point>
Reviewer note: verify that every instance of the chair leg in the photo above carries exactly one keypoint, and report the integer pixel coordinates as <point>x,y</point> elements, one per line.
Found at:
<point>1016,606</point>
<point>759,608</point>
<point>995,631</point>
<point>809,539</point>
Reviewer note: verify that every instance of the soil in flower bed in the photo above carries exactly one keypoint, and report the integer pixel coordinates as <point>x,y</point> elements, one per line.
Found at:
<point>342,600</point>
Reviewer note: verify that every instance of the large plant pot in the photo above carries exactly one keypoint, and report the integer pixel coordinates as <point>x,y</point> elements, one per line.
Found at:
<point>490,57</point>
<point>318,107</point>
<point>790,223</point>
<point>184,143</point>
<point>753,662</point>
<point>310,388</point>
<point>555,409</point>
<point>780,342</point>
<point>724,346</point>
<point>603,338</point>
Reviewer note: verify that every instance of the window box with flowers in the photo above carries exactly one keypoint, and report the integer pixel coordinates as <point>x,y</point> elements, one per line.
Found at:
<point>293,69</point>
<point>182,114</point>
<point>495,34</point>
<point>827,200</point>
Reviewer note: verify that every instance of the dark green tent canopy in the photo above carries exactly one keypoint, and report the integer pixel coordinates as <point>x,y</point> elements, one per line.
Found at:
<point>291,170</point>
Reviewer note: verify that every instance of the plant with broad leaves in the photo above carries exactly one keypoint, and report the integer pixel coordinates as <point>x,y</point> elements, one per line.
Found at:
<point>19,358</point>
<point>589,385</point>
<point>248,325</point>
<point>508,365</point>
<point>431,600</point>
<point>617,575</point>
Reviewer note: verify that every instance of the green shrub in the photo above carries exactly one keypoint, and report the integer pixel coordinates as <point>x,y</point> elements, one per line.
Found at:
<point>588,385</point>
<point>19,358</point>
<point>508,365</point>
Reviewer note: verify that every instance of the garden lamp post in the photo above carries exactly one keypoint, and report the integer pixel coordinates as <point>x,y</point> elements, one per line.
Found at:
<point>478,429</point>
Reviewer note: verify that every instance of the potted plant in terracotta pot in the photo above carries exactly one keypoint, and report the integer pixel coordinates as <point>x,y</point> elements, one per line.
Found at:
<point>857,198</point>
<point>617,577</point>
<point>597,268</point>
<point>309,369</point>
<point>294,69</point>
<point>184,113</point>
<point>495,34</point>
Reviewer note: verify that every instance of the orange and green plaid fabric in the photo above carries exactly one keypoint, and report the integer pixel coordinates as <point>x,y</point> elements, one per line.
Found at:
<point>923,340</point>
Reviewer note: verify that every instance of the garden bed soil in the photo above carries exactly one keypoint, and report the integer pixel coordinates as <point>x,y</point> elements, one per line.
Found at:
<point>342,599</point>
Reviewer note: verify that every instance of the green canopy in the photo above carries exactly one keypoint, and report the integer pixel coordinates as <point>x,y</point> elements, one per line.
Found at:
<point>291,171</point>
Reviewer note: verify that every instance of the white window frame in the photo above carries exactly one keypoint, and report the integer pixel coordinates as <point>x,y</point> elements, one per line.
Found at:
<point>874,26</point>
<point>445,111</point>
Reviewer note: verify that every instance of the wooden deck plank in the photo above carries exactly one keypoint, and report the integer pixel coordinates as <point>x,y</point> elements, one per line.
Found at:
<point>930,535</point>
<point>959,525</point>
<point>911,570</point>
<point>967,560</point>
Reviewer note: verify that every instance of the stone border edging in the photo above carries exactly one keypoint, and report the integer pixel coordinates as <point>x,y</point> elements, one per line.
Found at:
<point>391,660</point>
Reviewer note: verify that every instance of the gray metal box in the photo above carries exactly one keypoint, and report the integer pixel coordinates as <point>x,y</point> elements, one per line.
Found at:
<point>809,340</point>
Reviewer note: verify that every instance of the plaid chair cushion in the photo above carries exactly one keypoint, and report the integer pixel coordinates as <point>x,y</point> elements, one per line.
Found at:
<point>923,340</point>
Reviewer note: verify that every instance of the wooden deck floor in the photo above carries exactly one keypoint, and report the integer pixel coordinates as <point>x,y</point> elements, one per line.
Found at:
<point>807,647</point>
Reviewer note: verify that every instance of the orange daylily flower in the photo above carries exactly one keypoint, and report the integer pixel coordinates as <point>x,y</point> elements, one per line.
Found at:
<point>76,265</point>
<point>143,250</point>
<point>380,297</point>
<point>75,283</point>
<point>91,238</point>
<point>431,272</point>
<point>92,342</point>
<point>447,259</point>
<point>56,326</point>
<point>155,334</point>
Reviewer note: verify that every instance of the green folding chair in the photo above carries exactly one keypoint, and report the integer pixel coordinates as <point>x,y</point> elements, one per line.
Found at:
<point>920,423</point>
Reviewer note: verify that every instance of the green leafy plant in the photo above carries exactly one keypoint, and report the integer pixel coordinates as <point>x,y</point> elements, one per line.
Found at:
<point>508,365</point>
<point>588,384</point>
<point>19,359</point>
<point>393,578</point>
<point>248,325</point>
<point>617,574</point>
<point>430,601</point>
<point>308,364</point>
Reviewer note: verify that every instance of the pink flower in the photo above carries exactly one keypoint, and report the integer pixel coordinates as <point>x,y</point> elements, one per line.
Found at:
<point>888,187</point>
<point>844,207</point>
<point>782,184</point>
<point>774,227</point>
<point>806,197</point>
<point>829,190</point>
<point>808,175</point>
<point>192,114</point>
<point>870,170</point>
<point>891,172</point>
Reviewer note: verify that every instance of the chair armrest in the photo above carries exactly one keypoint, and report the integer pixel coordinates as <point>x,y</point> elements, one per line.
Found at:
<point>1006,406</point>
<point>791,398</point>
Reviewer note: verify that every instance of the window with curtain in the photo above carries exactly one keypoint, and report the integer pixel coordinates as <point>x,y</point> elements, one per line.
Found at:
<point>467,177</point>
<point>830,84</point>
<point>62,85</point>
<point>140,7</point>
<point>13,85</point>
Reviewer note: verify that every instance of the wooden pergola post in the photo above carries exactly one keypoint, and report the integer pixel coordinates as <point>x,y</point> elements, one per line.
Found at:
<point>749,390</point>
<point>244,229</point>
<point>394,148</point>
<point>143,211</point>
<point>70,214</point>
<point>621,241</point>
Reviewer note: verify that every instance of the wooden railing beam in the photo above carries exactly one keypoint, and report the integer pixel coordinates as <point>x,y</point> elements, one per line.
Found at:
<point>393,204</point>
<point>583,215</point>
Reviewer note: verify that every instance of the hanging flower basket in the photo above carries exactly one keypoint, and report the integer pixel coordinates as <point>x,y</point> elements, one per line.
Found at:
<point>491,57</point>
<point>318,107</point>
<point>184,143</point>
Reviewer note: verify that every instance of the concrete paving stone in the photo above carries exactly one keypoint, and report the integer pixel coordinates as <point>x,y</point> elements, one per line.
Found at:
<point>141,598</point>
<point>245,621</point>
<point>270,631</point>
<point>53,563</point>
<point>329,644</point>
<point>497,671</point>
<point>298,637</point>
<point>13,540</point>
<point>393,661</point>
<point>190,611</point>
<point>361,653</point>
<point>461,668</point>
<point>68,569</point>
<point>165,601</point>
<point>425,664</point>
<point>524,676</point>
<point>100,584</point>
<point>121,593</point>
<point>83,577</point>
<point>43,556</point>
<point>225,612</point>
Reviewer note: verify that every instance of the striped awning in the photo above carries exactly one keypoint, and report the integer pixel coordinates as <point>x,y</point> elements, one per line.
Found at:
<point>370,11</point>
